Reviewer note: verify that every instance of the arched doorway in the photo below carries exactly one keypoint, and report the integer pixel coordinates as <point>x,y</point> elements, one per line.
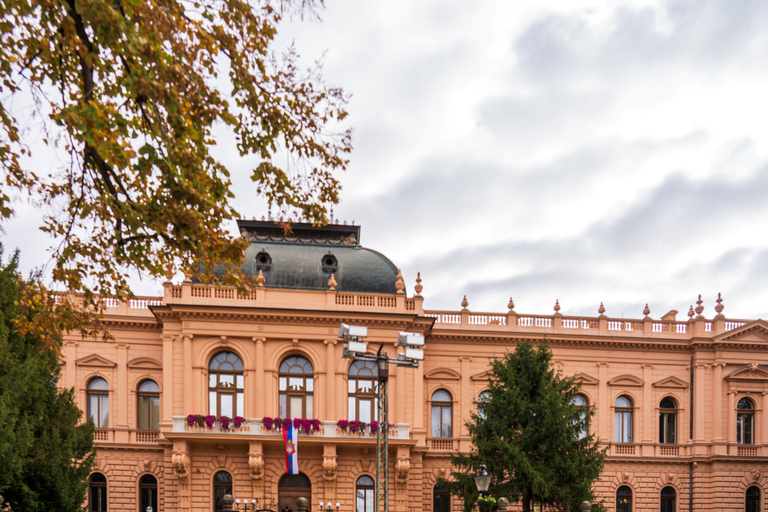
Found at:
<point>290,488</point>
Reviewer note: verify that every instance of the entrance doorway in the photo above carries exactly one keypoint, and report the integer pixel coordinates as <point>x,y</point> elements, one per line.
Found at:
<point>289,489</point>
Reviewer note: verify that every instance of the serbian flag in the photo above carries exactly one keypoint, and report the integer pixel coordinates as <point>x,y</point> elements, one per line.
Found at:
<point>291,437</point>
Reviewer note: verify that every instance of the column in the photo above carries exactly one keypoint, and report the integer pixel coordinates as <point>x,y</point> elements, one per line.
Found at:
<point>166,422</point>
<point>399,416</point>
<point>330,383</point>
<point>122,386</point>
<point>188,395</point>
<point>648,408</point>
<point>419,429</point>
<point>259,387</point>
<point>603,431</point>
<point>717,401</point>
<point>70,376</point>
<point>699,401</point>
<point>467,400</point>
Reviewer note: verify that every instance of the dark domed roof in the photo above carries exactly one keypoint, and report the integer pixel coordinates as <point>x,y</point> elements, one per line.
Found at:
<point>306,258</point>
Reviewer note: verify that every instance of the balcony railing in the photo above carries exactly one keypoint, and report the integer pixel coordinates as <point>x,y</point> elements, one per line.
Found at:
<point>442,443</point>
<point>624,449</point>
<point>255,427</point>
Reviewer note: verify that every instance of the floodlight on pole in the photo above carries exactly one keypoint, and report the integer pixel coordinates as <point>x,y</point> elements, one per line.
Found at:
<point>410,339</point>
<point>352,332</point>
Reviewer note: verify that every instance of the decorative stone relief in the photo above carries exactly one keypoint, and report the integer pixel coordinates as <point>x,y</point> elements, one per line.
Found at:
<point>402,467</point>
<point>329,467</point>
<point>755,476</point>
<point>256,464</point>
<point>181,464</point>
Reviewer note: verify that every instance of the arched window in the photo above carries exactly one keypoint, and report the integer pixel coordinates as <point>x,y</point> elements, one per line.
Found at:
<point>580,402</point>
<point>623,420</point>
<point>148,406</point>
<point>226,382</point>
<point>745,422</point>
<point>97,493</point>
<point>441,499</point>
<point>668,496</point>
<point>442,414</point>
<point>98,402</point>
<point>296,388</point>
<point>752,501</point>
<point>365,494</point>
<point>623,499</point>
<point>289,489</point>
<point>483,399</point>
<point>362,387</point>
<point>222,485</point>
<point>667,421</point>
<point>148,493</point>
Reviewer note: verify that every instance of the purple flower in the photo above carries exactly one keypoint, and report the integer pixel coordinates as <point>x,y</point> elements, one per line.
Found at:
<point>267,422</point>
<point>224,421</point>
<point>209,420</point>
<point>287,423</point>
<point>342,424</point>
<point>238,421</point>
<point>191,420</point>
<point>315,425</point>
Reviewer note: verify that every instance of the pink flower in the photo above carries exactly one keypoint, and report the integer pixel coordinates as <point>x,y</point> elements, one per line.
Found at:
<point>238,421</point>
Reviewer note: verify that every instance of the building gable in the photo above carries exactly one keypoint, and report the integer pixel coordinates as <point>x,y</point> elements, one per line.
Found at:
<point>752,331</point>
<point>442,373</point>
<point>626,380</point>
<point>671,382</point>
<point>585,379</point>
<point>145,363</point>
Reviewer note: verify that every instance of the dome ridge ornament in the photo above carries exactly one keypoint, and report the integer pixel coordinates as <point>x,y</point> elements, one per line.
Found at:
<point>399,283</point>
<point>418,286</point>
<point>260,278</point>
<point>332,283</point>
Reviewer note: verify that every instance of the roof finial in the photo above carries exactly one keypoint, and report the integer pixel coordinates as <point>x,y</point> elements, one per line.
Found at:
<point>699,307</point>
<point>691,313</point>
<point>399,283</point>
<point>332,282</point>
<point>511,305</point>
<point>418,286</point>
<point>260,278</point>
<point>557,306</point>
<point>331,221</point>
<point>646,311</point>
<point>601,309</point>
<point>719,308</point>
<point>464,304</point>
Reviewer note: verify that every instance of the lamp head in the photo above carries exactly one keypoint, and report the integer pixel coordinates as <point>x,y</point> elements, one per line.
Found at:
<point>348,332</point>
<point>482,479</point>
<point>410,339</point>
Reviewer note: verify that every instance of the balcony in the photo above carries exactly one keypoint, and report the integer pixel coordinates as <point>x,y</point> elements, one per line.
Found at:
<point>254,429</point>
<point>122,435</point>
<point>443,444</point>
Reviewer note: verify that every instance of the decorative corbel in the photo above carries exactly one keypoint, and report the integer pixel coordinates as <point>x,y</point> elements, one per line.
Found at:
<point>256,460</point>
<point>329,462</point>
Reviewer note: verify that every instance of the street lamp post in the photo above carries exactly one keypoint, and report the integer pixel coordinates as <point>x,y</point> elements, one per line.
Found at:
<point>482,480</point>
<point>330,507</point>
<point>358,350</point>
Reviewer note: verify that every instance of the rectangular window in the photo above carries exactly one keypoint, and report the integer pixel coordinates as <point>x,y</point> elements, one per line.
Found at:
<point>365,411</point>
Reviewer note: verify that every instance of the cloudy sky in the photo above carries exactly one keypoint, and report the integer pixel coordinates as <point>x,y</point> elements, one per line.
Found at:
<point>582,150</point>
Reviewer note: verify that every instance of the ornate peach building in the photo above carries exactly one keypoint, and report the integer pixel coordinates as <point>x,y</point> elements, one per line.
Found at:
<point>679,401</point>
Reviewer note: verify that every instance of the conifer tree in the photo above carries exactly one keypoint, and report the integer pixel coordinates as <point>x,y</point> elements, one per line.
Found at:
<point>530,436</point>
<point>45,454</point>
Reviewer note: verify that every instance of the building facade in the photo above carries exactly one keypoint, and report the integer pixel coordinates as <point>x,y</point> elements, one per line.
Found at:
<point>679,401</point>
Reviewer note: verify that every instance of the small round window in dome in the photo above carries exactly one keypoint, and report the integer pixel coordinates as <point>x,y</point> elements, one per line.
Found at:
<point>330,264</point>
<point>263,261</point>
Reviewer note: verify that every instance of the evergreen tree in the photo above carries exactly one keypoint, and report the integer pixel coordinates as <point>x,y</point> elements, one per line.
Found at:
<point>45,455</point>
<point>528,436</point>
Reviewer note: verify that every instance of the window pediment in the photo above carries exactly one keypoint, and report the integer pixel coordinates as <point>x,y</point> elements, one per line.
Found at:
<point>95,360</point>
<point>751,372</point>
<point>483,376</point>
<point>626,380</point>
<point>585,379</point>
<point>442,373</point>
<point>671,382</point>
<point>145,363</point>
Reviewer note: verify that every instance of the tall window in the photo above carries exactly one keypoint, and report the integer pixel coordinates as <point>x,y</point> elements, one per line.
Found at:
<point>482,400</point>
<point>580,402</point>
<point>148,493</point>
<point>148,406</point>
<point>442,414</point>
<point>222,485</point>
<point>752,502</point>
<point>745,422</point>
<point>98,402</point>
<point>225,385</point>
<point>667,421</point>
<point>441,499</point>
<point>365,494</point>
<point>623,499</point>
<point>668,496</point>
<point>296,388</point>
<point>97,493</point>
<point>623,421</point>
<point>362,387</point>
